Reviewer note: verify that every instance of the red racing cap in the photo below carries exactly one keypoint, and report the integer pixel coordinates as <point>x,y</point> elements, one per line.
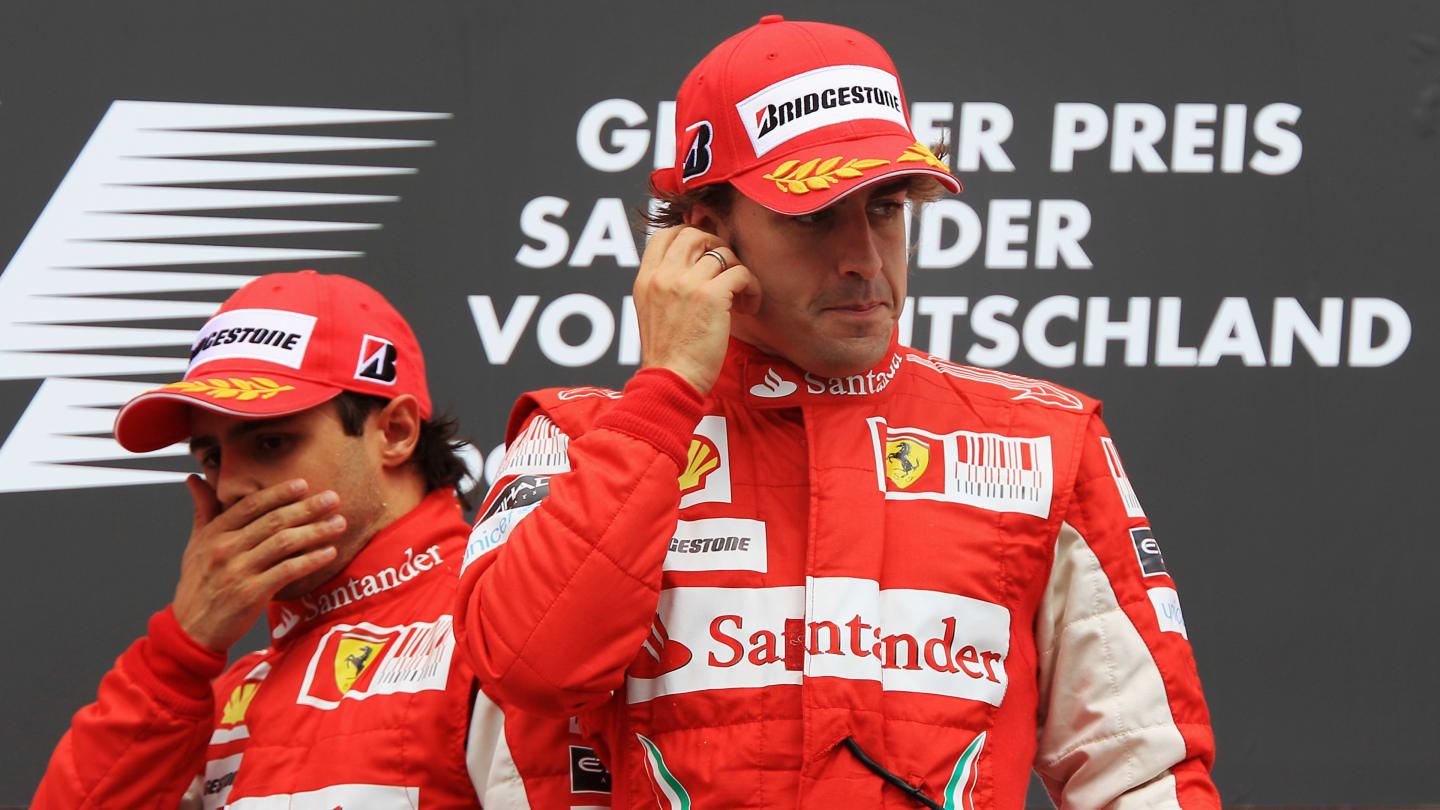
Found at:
<point>281,344</point>
<point>796,115</point>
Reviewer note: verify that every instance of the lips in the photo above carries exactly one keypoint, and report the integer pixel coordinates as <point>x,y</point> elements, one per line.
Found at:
<point>860,307</point>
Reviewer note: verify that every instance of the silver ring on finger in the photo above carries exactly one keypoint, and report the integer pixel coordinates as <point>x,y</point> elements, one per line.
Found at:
<point>715,254</point>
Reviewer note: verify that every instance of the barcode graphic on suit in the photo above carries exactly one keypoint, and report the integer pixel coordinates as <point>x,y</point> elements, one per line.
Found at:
<point>999,467</point>
<point>1122,481</point>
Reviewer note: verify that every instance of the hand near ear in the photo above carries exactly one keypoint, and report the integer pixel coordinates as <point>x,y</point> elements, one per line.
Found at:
<point>688,285</point>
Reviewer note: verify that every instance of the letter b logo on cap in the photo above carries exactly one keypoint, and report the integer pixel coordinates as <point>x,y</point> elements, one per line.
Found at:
<point>697,159</point>
<point>377,361</point>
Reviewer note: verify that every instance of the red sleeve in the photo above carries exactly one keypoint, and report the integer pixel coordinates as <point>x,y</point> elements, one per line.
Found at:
<point>562,573</point>
<point>1124,721</point>
<point>521,759</point>
<point>143,740</point>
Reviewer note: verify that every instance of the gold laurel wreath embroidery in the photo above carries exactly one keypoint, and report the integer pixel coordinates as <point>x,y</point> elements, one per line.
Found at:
<point>918,151</point>
<point>817,175</point>
<point>234,388</point>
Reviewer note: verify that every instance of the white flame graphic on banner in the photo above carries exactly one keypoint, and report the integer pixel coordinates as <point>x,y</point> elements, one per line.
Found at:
<point>128,185</point>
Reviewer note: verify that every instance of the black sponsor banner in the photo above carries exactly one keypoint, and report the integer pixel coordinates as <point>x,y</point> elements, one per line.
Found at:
<point>1218,219</point>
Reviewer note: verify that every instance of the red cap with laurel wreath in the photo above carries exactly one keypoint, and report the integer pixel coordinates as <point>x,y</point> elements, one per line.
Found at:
<point>281,344</point>
<point>796,115</point>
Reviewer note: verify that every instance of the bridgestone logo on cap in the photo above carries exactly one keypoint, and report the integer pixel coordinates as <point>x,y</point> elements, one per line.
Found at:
<point>819,98</point>
<point>697,157</point>
<point>271,335</point>
<point>377,360</point>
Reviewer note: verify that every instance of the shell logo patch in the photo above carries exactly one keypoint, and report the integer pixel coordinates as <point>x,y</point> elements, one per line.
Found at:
<point>906,460</point>
<point>238,702</point>
<point>355,653</point>
<point>706,477</point>
<point>701,461</point>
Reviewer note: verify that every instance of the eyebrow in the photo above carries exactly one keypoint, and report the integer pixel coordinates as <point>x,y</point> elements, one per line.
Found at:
<point>898,184</point>
<point>206,442</point>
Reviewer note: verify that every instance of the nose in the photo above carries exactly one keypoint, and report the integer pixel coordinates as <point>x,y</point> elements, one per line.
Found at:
<point>856,243</point>
<point>233,482</point>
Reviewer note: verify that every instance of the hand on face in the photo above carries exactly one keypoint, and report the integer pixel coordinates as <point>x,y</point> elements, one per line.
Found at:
<point>683,302</point>
<point>238,558</point>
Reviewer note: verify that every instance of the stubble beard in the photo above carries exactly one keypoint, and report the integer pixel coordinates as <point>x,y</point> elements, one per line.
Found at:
<point>829,356</point>
<point>362,513</point>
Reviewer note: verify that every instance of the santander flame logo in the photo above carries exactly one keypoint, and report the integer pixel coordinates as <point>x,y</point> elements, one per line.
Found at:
<point>665,654</point>
<point>773,386</point>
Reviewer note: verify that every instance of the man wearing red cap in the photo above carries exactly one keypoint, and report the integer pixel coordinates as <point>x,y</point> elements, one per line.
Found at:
<point>795,563</point>
<point>329,498</point>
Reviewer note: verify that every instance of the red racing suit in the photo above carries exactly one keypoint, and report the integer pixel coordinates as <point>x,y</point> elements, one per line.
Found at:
<point>947,565</point>
<point>360,702</point>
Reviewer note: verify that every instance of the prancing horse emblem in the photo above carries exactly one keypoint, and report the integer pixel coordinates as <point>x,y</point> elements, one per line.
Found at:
<point>356,653</point>
<point>906,460</point>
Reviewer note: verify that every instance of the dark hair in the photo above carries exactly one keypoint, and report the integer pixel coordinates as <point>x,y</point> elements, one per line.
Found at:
<point>671,209</point>
<point>435,453</point>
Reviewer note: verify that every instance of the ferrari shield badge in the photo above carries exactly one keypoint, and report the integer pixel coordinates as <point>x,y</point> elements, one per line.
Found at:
<point>355,654</point>
<point>906,460</point>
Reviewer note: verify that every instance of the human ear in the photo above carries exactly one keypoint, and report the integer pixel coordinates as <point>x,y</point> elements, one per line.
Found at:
<point>705,218</point>
<point>397,428</point>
